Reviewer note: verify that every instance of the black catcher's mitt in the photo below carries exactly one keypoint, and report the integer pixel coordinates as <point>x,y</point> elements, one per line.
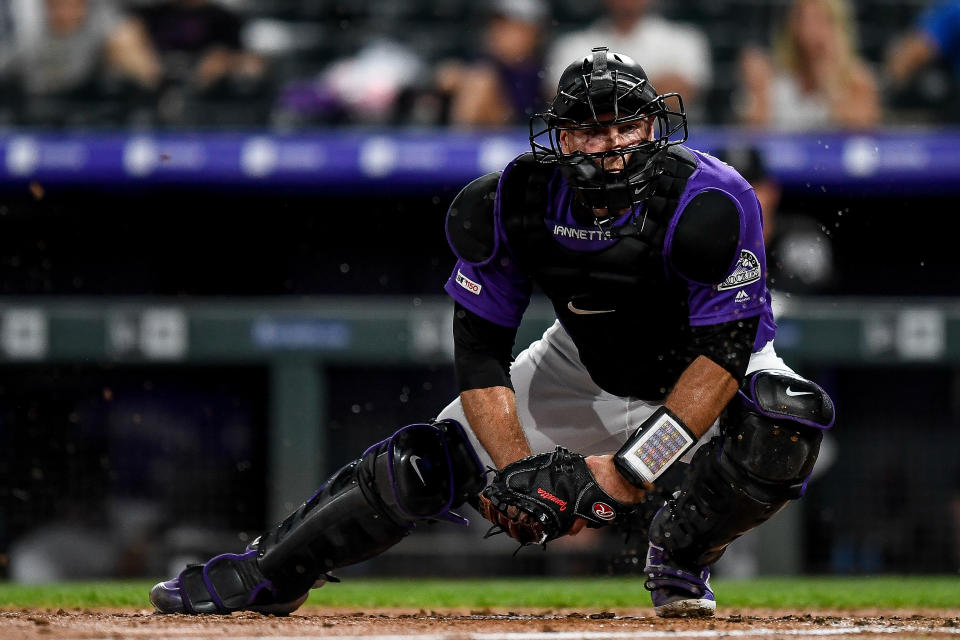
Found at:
<point>538,498</point>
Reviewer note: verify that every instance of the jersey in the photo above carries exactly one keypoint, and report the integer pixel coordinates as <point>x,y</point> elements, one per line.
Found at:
<point>631,322</point>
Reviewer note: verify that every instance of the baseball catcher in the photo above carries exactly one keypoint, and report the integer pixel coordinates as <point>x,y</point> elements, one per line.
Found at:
<point>661,358</point>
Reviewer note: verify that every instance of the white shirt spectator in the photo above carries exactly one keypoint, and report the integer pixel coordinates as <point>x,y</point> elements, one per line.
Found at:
<point>659,45</point>
<point>793,110</point>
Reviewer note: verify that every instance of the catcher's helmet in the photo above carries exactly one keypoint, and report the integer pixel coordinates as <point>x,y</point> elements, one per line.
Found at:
<point>600,90</point>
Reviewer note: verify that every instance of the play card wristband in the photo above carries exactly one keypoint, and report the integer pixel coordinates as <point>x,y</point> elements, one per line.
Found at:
<point>656,444</point>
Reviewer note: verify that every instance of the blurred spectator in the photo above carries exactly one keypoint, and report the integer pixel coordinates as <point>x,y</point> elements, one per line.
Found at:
<point>75,42</point>
<point>799,254</point>
<point>199,43</point>
<point>934,41</point>
<point>21,22</point>
<point>676,57</point>
<point>361,88</point>
<point>503,85</point>
<point>816,78</point>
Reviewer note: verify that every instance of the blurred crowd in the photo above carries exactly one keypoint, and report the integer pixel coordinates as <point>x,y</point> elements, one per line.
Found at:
<point>778,64</point>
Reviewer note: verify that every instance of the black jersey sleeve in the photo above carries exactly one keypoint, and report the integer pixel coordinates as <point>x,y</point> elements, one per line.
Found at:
<point>706,238</point>
<point>482,351</point>
<point>470,220</point>
<point>729,344</point>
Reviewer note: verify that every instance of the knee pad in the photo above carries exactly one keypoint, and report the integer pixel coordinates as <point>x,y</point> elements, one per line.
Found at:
<point>419,473</point>
<point>772,430</point>
<point>424,470</point>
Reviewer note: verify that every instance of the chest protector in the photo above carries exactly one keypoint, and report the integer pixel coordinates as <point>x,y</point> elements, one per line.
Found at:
<point>628,320</point>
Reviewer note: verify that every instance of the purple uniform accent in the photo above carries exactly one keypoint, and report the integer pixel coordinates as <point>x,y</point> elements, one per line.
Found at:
<point>666,581</point>
<point>504,290</point>
<point>499,291</point>
<point>214,596</point>
<point>569,232</point>
<point>715,303</point>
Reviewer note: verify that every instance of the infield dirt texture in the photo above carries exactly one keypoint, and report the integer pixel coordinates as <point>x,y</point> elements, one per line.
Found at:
<point>525,609</point>
<point>315,622</point>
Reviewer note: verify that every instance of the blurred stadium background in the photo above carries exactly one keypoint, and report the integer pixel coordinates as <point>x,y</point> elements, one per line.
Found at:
<point>213,296</point>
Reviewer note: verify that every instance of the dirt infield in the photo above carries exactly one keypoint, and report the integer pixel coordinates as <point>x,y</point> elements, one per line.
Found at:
<point>463,625</point>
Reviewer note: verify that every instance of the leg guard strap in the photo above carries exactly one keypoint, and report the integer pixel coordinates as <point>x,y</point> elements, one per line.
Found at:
<point>230,582</point>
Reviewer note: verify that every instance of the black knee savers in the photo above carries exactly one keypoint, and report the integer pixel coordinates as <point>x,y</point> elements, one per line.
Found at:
<point>770,438</point>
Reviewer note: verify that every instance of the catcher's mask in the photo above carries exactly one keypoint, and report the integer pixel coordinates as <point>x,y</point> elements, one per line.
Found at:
<point>601,90</point>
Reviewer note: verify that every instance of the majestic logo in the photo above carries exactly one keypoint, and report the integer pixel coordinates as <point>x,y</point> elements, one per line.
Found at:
<point>604,511</point>
<point>791,392</point>
<point>468,284</point>
<point>587,312</point>
<point>742,297</point>
<point>746,271</point>
<point>552,498</point>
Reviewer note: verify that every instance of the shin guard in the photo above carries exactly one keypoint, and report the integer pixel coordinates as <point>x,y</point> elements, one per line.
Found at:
<point>770,439</point>
<point>420,473</point>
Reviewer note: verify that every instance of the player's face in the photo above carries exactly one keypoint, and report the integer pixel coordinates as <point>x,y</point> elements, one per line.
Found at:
<point>601,139</point>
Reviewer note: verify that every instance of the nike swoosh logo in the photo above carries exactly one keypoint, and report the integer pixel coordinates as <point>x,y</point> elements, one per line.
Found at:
<point>413,463</point>
<point>791,392</point>
<point>587,312</point>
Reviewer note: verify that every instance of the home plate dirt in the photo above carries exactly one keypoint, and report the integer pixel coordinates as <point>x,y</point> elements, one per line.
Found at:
<point>316,622</point>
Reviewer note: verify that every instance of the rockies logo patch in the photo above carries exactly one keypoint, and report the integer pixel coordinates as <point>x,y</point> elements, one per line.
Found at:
<point>746,271</point>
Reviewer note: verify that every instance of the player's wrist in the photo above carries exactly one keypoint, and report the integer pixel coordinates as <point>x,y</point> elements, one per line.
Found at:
<point>612,481</point>
<point>657,444</point>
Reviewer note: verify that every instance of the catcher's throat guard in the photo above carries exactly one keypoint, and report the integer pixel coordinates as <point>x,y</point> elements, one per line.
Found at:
<point>660,441</point>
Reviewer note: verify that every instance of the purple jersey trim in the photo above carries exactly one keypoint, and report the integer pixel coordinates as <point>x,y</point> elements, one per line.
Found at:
<point>716,303</point>
<point>504,290</point>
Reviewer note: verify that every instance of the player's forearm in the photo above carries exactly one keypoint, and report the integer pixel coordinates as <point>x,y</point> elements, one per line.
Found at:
<point>701,393</point>
<point>492,415</point>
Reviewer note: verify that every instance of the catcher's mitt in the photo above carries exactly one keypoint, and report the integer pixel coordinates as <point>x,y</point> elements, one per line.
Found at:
<point>538,498</point>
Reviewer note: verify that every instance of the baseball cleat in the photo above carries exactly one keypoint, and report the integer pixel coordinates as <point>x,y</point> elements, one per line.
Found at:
<point>676,592</point>
<point>224,584</point>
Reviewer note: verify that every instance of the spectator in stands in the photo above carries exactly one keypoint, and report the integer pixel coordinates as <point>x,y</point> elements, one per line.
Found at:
<point>935,39</point>
<point>199,43</point>
<point>816,78</point>
<point>21,22</point>
<point>503,85</point>
<point>675,56</point>
<point>76,41</point>
<point>363,87</point>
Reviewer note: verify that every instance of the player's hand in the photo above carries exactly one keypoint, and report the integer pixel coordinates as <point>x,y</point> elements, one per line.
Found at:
<point>544,496</point>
